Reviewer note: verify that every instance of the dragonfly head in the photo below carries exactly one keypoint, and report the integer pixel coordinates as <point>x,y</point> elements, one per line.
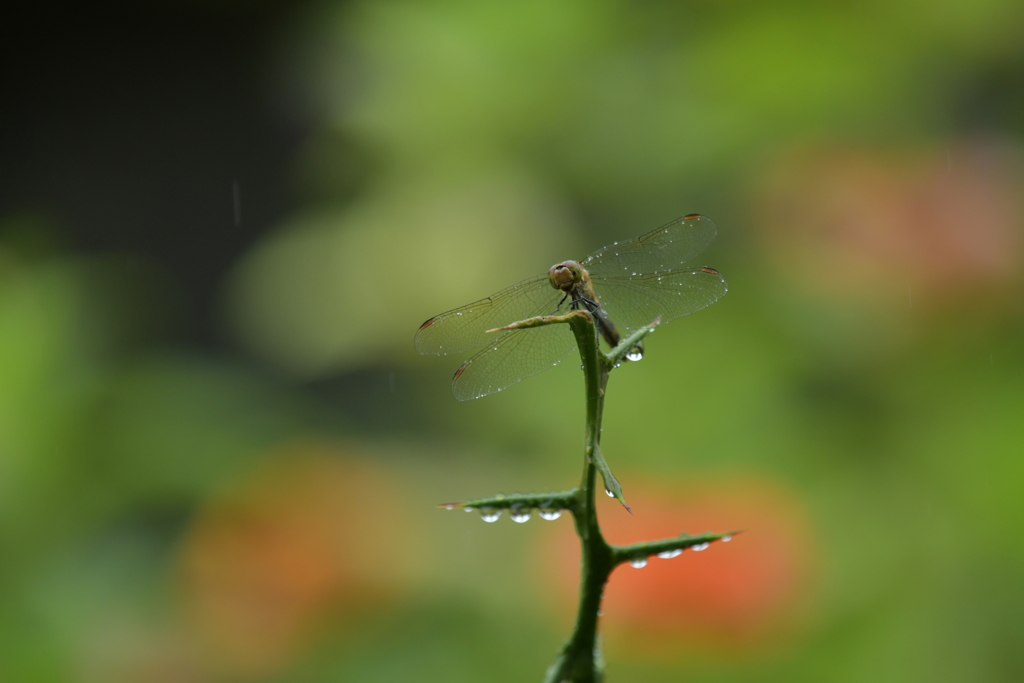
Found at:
<point>565,275</point>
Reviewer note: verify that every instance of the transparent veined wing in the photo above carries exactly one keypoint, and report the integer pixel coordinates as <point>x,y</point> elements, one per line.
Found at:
<point>465,328</point>
<point>642,279</point>
<point>665,248</point>
<point>513,357</point>
<point>636,281</point>
<point>632,302</point>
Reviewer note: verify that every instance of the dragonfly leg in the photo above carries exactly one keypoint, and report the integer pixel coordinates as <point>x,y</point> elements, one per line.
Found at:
<point>591,305</point>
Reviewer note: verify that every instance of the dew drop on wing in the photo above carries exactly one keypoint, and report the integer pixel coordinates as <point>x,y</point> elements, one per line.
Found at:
<point>638,563</point>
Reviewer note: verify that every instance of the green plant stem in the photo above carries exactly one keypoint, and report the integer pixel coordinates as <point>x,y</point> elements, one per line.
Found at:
<point>580,660</point>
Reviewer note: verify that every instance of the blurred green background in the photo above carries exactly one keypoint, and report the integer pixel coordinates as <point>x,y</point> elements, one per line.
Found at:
<point>221,224</point>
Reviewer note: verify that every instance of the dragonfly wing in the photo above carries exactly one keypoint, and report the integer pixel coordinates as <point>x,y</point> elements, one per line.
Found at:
<point>632,302</point>
<point>659,250</point>
<point>465,328</point>
<point>515,356</point>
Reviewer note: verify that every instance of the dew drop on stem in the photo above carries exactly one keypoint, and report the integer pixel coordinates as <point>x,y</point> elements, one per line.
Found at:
<point>489,514</point>
<point>669,554</point>
<point>700,546</point>
<point>520,515</point>
<point>638,563</point>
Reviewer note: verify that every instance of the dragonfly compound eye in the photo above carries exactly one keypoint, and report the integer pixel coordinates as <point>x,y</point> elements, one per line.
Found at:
<point>561,276</point>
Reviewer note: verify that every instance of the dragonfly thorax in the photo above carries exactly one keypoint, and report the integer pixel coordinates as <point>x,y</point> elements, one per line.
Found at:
<point>566,275</point>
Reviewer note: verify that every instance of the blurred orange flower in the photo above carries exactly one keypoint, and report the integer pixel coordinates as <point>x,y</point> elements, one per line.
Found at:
<point>733,595</point>
<point>312,537</point>
<point>868,224</point>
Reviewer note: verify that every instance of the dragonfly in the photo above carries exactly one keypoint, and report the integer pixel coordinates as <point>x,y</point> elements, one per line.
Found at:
<point>625,286</point>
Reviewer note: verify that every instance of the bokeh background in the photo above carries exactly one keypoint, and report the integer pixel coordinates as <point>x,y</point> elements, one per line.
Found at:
<point>221,224</point>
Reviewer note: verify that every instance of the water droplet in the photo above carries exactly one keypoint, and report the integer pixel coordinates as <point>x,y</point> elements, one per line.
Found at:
<point>638,563</point>
<point>600,612</point>
<point>489,514</point>
<point>700,546</point>
<point>520,515</point>
<point>458,313</point>
<point>635,354</point>
<point>669,554</point>
<point>610,494</point>
<point>469,509</point>
<point>449,506</point>
<point>549,514</point>
<point>726,538</point>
